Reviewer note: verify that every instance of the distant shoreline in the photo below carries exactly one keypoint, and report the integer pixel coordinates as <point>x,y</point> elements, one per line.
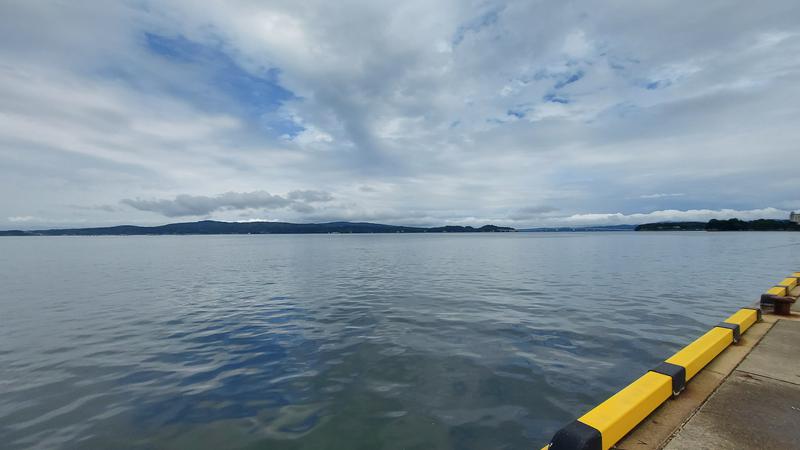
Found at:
<point>211,227</point>
<point>722,225</point>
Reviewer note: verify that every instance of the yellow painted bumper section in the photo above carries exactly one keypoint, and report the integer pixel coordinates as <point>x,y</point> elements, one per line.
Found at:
<point>777,290</point>
<point>785,287</point>
<point>696,355</point>
<point>615,417</point>
<point>788,283</point>
<point>745,318</point>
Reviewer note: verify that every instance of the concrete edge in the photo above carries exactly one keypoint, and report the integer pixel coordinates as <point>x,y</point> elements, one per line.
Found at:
<point>754,410</point>
<point>664,423</point>
<point>659,428</point>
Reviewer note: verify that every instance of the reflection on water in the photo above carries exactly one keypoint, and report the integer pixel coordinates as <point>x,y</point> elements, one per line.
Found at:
<point>349,342</point>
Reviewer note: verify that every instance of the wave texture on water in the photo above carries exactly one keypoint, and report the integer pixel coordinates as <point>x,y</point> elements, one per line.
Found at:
<point>349,342</point>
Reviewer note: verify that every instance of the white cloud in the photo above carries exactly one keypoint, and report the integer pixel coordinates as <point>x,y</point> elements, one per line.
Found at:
<point>202,205</point>
<point>576,45</point>
<point>670,215</point>
<point>661,195</point>
<point>449,111</point>
<point>21,219</point>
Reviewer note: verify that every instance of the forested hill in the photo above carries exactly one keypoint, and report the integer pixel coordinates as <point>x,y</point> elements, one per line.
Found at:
<point>722,225</point>
<point>215,227</point>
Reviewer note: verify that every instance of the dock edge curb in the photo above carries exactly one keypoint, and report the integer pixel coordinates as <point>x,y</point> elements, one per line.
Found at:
<point>606,424</point>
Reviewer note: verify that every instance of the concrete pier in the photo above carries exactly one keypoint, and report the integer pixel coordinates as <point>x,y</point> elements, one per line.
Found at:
<point>758,405</point>
<point>747,398</point>
<point>735,387</point>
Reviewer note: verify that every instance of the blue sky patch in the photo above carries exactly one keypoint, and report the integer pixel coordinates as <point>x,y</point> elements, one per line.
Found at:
<point>657,84</point>
<point>571,78</point>
<point>255,96</point>
<point>518,113</point>
<point>485,20</point>
<point>554,98</point>
<point>175,48</point>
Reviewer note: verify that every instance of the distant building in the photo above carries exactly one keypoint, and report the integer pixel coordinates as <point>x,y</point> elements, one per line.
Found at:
<point>794,217</point>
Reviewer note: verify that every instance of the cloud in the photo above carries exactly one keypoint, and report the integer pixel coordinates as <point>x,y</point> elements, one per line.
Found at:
<point>21,219</point>
<point>310,196</point>
<point>662,195</point>
<point>532,212</point>
<point>201,205</point>
<point>106,208</point>
<point>670,215</point>
<point>420,112</point>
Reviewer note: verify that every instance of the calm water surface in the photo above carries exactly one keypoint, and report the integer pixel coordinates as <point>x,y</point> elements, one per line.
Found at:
<point>479,341</point>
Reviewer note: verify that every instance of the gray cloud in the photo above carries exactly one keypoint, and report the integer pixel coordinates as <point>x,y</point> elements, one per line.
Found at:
<point>661,195</point>
<point>105,208</point>
<point>700,215</point>
<point>532,212</point>
<point>429,112</point>
<point>201,205</point>
<point>310,196</point>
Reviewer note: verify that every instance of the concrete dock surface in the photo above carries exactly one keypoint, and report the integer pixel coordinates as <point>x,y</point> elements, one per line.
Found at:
<point>758,405</point>
<point>728,404</point>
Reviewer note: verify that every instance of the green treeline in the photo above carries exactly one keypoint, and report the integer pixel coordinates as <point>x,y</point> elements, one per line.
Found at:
<point>722,225</point>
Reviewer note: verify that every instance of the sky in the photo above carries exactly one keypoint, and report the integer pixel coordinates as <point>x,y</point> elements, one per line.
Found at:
<point>518,113</point>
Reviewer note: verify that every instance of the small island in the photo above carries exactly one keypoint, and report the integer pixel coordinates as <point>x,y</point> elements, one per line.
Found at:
<point>723,225</point>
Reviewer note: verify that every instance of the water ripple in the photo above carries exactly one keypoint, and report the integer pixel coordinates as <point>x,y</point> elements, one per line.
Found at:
<point>349,342</point>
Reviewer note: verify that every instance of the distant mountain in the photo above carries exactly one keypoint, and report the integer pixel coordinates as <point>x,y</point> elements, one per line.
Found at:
<point>215,227</point>
<point>722,225</point>
<point>468,229</point>
<point>672,226</point>
<point>581,229</point>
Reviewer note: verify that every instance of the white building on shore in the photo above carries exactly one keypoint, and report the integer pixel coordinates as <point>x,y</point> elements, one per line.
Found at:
<point>794,217</point>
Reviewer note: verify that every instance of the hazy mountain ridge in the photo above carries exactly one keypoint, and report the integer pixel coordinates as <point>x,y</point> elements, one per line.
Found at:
<point>580,229</point>
<point>216,227</point>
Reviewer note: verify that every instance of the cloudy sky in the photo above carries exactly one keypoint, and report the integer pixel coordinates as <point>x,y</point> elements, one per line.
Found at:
<point>522,113</point>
